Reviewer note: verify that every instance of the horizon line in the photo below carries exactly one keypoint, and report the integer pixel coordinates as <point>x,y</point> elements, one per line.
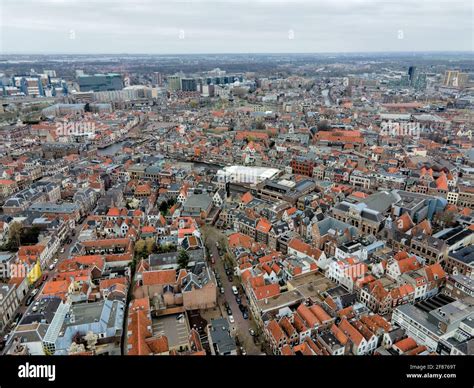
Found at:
<point>247,53</point>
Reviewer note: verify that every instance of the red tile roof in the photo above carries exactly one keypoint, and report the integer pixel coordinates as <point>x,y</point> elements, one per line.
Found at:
<point>349,330</point>
<point>319,312</point>
<point>267,291</point>
<point>264,225</point>
<point>107,283</point>
<point>308,316</point>
<point>161,277</point>
<point>406,344</point>
<point>276,331</point>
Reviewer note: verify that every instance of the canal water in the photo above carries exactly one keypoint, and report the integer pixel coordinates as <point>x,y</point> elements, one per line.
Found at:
<point>111,149</point>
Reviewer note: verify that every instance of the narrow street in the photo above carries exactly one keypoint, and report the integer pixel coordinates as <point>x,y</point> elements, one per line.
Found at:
<point>240,328</point>
<point>63,256</point>
<point>47,274</point>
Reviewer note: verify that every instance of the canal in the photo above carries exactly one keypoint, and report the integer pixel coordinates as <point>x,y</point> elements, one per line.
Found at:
<point>111,149</point>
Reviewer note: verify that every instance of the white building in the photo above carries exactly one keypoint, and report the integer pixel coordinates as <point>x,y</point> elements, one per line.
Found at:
<point>246,174</point>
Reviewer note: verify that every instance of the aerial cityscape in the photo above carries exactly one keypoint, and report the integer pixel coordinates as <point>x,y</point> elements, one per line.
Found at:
<point>251,203</point>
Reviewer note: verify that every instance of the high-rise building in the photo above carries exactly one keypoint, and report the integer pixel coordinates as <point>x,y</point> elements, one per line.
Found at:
<point>188,84</point>
<point>455,79</point>
<point>405,80</point>
<point>158,78</point>
<point>32,86</point>
<point>419,83</point>
<point>100,82</point>
<point>412,73</point>
<point>174,83</point>
<point>224,80</point>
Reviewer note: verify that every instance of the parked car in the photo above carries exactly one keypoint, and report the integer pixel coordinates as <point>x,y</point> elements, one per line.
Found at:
<point>29,300</point>
<point>34,292</point>
<point>51,267</point>
<point>62,250</point>
<point>241,307</point>
<point>245,314</point>
<point>17,318</point>
<point>219,283</point>
<point>252,332</point>
<point>229,311</point>
<point>222,290</point>
<point>238,300</point>
<point>243,352</point>
<point>231,319</point>
<point>235,291</point>
<point>230,278</point>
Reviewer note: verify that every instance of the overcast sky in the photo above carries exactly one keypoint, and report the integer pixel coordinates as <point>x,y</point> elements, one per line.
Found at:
<point>234,26</point>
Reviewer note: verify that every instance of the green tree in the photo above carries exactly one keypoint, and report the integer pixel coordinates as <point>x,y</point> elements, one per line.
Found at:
<point>140,247</point>
<point>183,259</point>
<point>14,235</point>
<point>29,236</point>
<point>446,218</point>
<point>165,248</point>
<point>150,245</point>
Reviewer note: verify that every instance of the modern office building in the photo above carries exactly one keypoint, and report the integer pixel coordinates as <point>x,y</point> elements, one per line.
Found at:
<point>223,80</point>
<point>412,73</point>
<point>100,82</point>
<point>174,83</point>
<point>434,321</point>
<point>32,86</point>
<point>188,84</point>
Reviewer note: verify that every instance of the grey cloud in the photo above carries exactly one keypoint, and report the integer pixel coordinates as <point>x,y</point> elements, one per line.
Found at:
<point>146,26</point>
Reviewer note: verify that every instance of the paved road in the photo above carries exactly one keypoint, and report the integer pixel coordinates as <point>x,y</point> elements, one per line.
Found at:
<point>63,256</point>
<point>47,274</point>
<point>241,326</point>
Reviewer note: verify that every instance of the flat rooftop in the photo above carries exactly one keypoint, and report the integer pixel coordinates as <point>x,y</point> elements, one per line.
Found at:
<point>261,173</point>
<point>311,285</point>
<point>285,299</point>
<point>464,255</point>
